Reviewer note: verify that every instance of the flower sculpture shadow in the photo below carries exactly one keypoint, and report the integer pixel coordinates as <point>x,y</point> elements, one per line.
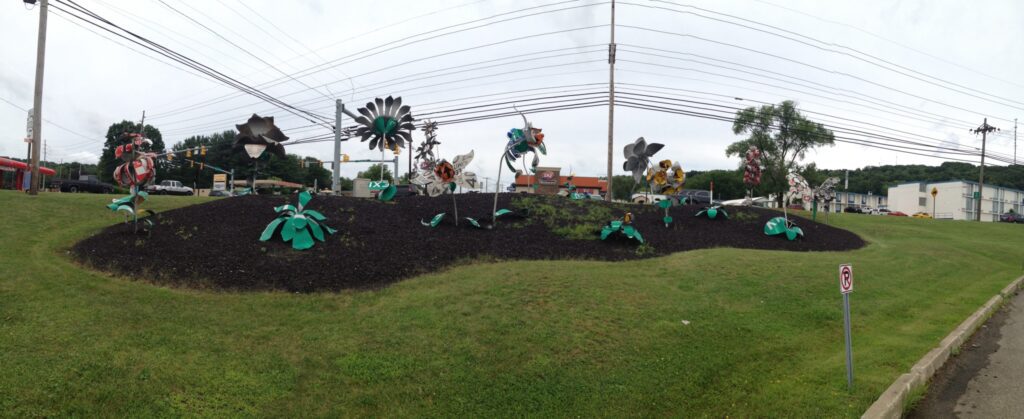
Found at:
<point>443,178</point>
<point>135,173</point>
<point>752,173</point>
<point>520,141</point>
<point>713,212</point>
<point>623,226</point>
<point>257,136</point>
<point>297,224</point>
<point>387,124</point>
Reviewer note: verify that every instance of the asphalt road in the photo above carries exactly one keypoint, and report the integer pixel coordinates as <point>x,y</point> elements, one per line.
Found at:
<point>987,379</point>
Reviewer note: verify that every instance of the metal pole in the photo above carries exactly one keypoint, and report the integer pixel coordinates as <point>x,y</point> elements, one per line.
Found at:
<point>336,174</point>
<point>611,103</point>
<point>849,341</point>
<point>231,184</point>
<point>37,100</point>
<point>396,170</point>
<point>981,177</point>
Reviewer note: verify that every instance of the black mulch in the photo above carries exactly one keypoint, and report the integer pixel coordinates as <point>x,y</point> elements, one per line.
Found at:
<point>215,245</point>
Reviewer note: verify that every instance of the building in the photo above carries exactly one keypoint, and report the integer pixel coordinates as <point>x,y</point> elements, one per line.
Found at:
<point>955,200</point>
<point>860,200</point>
<point>21,174</point>
<point>548,181</point>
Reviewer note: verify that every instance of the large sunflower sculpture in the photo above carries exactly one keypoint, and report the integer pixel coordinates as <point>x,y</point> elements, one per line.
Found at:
<point>386,123</point>
<point>667,179</point>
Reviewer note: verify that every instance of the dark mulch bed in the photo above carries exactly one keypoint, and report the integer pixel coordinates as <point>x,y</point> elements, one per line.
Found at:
<point>215,245</point>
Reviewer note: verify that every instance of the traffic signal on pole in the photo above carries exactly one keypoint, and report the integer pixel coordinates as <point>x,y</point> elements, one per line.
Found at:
<point>191,163</point>
<point>188,153</point>
<point>202,150</point>
<point>170,157</point>
<point>344,157</point>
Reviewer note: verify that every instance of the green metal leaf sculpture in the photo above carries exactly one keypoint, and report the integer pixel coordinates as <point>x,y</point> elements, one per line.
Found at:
<point>622,226</point>
<point>780,225</point>
<point>298,225</point>
<point>129,205</point>
<point>713,212</point>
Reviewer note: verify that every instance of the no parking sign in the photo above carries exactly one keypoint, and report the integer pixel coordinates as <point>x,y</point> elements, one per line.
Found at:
<point>845,278</point>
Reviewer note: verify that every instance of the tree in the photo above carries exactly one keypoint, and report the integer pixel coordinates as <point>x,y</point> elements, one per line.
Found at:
<point>784,137</point>
<point>728,183</point>
<point>373,173</point>
<point>622,186</point>
<point>108,162</point>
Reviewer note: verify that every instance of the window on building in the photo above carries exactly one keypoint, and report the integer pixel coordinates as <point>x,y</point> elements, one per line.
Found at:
<point>922,187</point>
<point>922,201</point>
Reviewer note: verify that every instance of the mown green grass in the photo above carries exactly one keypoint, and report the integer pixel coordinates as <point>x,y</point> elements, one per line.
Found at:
<point>497,339</point>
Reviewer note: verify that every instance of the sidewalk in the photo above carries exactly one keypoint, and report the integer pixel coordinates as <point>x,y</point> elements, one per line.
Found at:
<point>987,379</point>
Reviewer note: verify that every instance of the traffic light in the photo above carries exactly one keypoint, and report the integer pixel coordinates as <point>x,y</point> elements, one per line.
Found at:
<point>191,163</point>
<point>188,153</point>
<point>344,157</point>
<point>202,150</point>
<point>170,157</point>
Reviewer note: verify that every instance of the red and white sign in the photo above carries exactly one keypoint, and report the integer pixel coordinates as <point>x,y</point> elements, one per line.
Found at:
<point>845,278</point>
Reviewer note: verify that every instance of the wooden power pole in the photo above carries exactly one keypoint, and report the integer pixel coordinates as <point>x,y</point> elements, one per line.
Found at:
<point>611,103</point>
<point>37,100</point>
<point>984,129</point>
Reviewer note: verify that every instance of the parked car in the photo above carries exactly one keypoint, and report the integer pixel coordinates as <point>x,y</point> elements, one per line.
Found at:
<point>881,211</point>
<point>85,183</point>
<point>852,209</point>
<point>694,196</point>
<point>921,215</point>
<point>898,213</point>
<point>1011,217</point>
<point>170,187</point>
<point>645,198</point>
<point>220,193</point>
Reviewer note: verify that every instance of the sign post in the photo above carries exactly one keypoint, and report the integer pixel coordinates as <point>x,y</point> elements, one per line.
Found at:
<point>846,287</point>
<point>935,192</point>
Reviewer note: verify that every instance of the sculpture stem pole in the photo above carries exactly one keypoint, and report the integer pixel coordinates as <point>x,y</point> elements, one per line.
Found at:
<point>497,189</point>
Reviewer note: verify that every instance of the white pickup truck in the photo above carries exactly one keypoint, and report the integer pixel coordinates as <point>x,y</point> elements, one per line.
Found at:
<point>170,187</point>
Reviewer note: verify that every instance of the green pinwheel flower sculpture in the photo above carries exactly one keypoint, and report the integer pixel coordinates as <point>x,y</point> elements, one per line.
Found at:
<point>713,212</point>
<point>624,227</point>
<point>298,225</point>
<point>388,125</point>
<point>780,225</point>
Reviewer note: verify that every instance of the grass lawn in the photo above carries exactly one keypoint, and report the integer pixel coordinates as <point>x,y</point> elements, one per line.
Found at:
<point>494,339</point>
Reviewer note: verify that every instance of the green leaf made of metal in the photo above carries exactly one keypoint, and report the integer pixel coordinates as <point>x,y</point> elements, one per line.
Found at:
<point>501,212</point>
<point>268,232</point>
<point>712,212</point>
<point>667,220</point>
<point>665,203</point>
<point>474,222</point>
<point>434,221</point>
<point>302,240</point>
<point>606,231</point>
<point>304,198</point>
<point>388,193</point>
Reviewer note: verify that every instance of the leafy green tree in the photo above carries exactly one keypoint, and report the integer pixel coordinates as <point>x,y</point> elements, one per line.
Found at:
<point>784,137</point>
<point>373,173</point>
<point>622,187</point>
<point>728,183</point>
<point>107,161</point>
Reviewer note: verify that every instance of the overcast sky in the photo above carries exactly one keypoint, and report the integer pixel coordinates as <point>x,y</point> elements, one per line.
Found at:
<point>92,82</point>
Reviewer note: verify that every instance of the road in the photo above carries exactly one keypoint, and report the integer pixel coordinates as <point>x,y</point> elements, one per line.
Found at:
<point>987,379</point>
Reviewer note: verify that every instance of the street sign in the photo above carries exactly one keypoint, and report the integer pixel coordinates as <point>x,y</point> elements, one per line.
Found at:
<point>935,191</point>
<point>846,287</point>
<point>379,185</point>
<point>28,125</point>
<point>845,279</point>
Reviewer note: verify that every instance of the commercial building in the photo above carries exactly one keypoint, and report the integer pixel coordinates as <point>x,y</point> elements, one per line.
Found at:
<point>549,181</point>
<point>859,200</point>
<point>955,200</point>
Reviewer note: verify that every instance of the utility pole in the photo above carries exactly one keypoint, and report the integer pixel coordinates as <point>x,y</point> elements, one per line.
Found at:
<point>37,100</point>
<point>611,103</point>
<point>984,129</point>
<point>336,173</point>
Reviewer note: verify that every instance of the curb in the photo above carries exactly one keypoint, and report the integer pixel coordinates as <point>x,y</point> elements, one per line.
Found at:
<point>890,404</point>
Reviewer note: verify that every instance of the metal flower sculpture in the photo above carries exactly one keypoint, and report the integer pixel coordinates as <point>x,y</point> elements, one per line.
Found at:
<point>713,212</point>
<point>386,123</point>
<point>425,152</point>
<point>297,225</point>
<point>667,179</point>
<point>638,157</point>
<point>520,141</point>
<point>445,177</point>
<point>622,226</point>
<point>780,225</point>
<point>752,172</point>
<point>259,134</point>
<point>826,193</point>
<point>135,173</point>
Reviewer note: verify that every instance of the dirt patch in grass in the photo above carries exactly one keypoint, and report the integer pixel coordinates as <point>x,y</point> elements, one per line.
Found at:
<point>216,244</point>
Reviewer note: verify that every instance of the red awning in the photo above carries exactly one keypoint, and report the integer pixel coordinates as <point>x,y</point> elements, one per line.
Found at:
<point>24,166</point>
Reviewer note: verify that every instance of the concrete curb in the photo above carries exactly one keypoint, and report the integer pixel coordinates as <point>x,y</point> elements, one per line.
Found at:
<point>890,404</point>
